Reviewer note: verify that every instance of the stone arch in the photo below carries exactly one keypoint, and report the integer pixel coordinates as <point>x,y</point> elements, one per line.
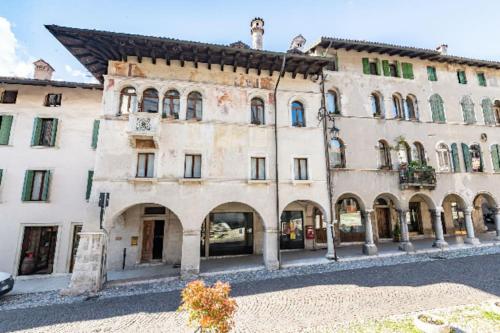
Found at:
<point>420,217</point>
<point>483,212</point>
<point>454,208</point>
<point>385,215</point>
<point>350,212</point>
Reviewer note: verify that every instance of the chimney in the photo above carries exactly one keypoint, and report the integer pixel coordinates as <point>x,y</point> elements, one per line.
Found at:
<point>257,32</point>
<point>442,49</point>
<point>298,43</point>
<point>43,71</point>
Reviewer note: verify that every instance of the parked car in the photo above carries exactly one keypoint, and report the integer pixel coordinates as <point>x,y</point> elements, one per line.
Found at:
<point>6,283</point>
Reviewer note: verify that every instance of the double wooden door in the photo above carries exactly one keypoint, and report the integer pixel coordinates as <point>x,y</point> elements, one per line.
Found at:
<point>383,222</point>
<point>152,240</point>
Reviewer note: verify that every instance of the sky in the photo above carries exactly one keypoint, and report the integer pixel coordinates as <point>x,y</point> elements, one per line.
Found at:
<point>469,27</point>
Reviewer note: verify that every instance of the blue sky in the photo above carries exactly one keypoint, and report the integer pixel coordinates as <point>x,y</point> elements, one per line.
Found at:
<point>470,28</point>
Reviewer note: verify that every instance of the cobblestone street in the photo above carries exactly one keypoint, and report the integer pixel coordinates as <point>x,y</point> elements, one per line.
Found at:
<point>315,302</point>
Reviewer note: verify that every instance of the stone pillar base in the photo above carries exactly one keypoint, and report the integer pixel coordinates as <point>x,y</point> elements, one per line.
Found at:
<point>272,265</point>
<point>370,249</point>
<point>406,246</point>
<point>472,241</point>
<point>89,273</point>
<point>497,238</point>
<point>189,274</point>
<point>440,244</point>
<point>330,256</point>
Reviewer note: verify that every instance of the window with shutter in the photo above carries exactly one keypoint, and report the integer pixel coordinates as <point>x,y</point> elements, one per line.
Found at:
<point>5,127</point>
<point>487,105</point>
<point>462,78</point>
<point>437,108</point>
<point>467,157</point>
<point>385,67</point>
<point>407,70</point>
<point>90,178</point>
<point>495,157</point>
<point>366,66</point>
<point>455,157</point>
<point>481,78</point>
<point>53,100</point>
<point>36,185</point>
<point>95,134</point>
<point>1,174</point>
<point>468,110</point>
<point>431,73</point>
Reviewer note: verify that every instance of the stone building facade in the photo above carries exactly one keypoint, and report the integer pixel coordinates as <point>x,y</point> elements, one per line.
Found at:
<point>200,151</point>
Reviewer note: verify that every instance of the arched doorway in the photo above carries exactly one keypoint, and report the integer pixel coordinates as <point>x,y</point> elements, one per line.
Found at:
<point>419,218</point>
<point>350,219</point>
<point>483,215</point>
<point>386,216</point>
<point>302,226</point>
<point>454,215</point>
<point>144,233</point>
<point>231,229</point>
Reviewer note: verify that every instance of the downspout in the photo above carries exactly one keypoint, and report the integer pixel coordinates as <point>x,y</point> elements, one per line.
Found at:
<point>329,185</point>
<point>276,168</point>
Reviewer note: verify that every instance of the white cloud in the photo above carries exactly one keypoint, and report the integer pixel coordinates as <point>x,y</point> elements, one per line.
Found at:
<point>79,75</point>
<point>11,63</point>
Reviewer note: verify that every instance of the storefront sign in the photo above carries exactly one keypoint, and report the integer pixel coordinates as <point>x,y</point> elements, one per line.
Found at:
<point>309,232</point>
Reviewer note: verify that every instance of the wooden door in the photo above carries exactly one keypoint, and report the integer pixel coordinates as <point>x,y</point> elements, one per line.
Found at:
<point>383,223</point>
<point>147,240</point>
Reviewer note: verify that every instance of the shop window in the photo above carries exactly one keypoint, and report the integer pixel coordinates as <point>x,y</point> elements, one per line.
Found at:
<point>258,168</point>
<point>150,101</point>
<point>298,116</point>
<point>257,111</point>
<point>145,165</point>
<point>171,104</point>
<point>300,169</point>
<point>194,106</point>
<point>128,101</point>
<point>44,132</point>
<point>384,155</point>
<point>444,158</point>
<point>351,224</point>
<point>53,100</point>
<point>192,166</point>
<point>292,230</point>
<point>337,153</point>
<point>38,250</point>
<point>9,97</point>
<point>36,185</point>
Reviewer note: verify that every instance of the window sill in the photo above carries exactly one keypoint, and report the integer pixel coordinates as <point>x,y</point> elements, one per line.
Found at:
<point>139,180</point>
<point>258,181</point>
<point>6,146</point>
<point>44,147</point>
<point>35,201</point>
<point>307,182</point>
<point>190,181</point>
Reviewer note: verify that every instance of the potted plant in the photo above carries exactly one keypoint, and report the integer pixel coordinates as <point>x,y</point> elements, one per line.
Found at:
<point>431,324</point>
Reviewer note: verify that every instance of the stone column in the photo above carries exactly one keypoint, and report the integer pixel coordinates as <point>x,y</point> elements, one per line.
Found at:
<point>330,236</point>
<point>190,260</point>
<point>404,238</point>
<point>469,226</point>
<point>497,224</point>
<point>271,249</point>
<point>369,248</point>
<point>438,229</point>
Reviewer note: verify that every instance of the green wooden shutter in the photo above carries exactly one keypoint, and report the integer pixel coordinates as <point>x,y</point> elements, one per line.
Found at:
<point>431,73</point>
<point>1,174</point>
<point>407,70</point>
<point>28,183</point>
<point>90,177</point>
<point>379,67</point>
<point>455,157</point>
<point>467,157</point>
<point>495,157</point>
<point>95,134</point>
<point>5,129</point>
<point>37,131</point>
<point>54,132</point>
<point>398,68</point>
<point>366,66</point>
<point>46,183</point>
<point>385,67</point>
<point>482,79</point>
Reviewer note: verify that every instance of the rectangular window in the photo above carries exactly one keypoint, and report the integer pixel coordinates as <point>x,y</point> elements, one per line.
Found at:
<point>53,100</point>
<point>258,168</point>
<point>371,66</point>
<point>90,178</point>
<point>9,97</point>
<point>38,250</point>
<point>5,126</point>
<point>192,166</point>
<point>431,73</point>
<point>36,185</point>
<point>300,169</point>
<point>390,68</point>
<point>157,210</point>
<point>481,79</point>
<point>407,70</point>
<point>145,165</point>
<point>462,78</point>
<point>44,132</point>
<point>393,70</point>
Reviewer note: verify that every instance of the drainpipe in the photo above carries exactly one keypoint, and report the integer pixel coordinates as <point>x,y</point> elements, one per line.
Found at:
<point>278,215</point>
<point>325,117</point>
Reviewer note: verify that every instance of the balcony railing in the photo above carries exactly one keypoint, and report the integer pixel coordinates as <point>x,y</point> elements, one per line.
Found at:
<point>416,175</point>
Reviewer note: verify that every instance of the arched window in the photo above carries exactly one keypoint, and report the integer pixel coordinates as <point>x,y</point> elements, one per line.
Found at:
<point>419,153</point>
<point>489,117</point>
<point>468,110</point>
<point>404,153</point>
<point>397,106</point>
<point>171,104</point>
<point>194,106</point>
<point>376,103</point>
<point>257,109</point>
<point>150,100</point>
<point>444,158</point>
<point>496,111</point>
<point>411,107</point>
<point>298,116</point>
<point>437,108</point>
<point>332,102</point>
<point>337,153</point>
<point>128,101</point>
<point>384,155</point>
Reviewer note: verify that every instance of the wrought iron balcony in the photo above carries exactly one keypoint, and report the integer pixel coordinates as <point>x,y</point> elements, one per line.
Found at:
<point>144,127</point>
<point>417,175</point>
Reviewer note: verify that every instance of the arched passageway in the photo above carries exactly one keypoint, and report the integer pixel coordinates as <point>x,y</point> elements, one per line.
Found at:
<point>420,218</point>
<point>453,215</point>
<point>349,212</point>
<point>483,214</point>
<point>385,216</point>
